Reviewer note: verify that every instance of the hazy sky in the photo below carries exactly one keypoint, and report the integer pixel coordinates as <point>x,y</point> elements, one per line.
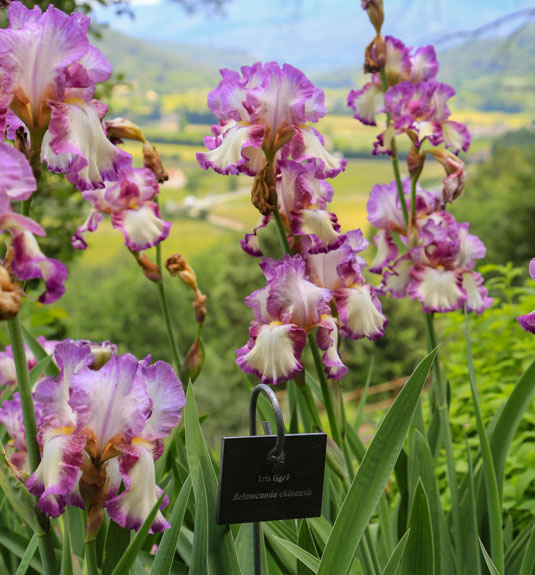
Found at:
<point>327,33</point>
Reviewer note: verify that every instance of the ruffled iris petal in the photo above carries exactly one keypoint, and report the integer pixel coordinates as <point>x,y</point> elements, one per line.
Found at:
<point>142,228</point>
<point>35,50</point>
<point>327,339</point>
<point>131,507</point>
<point>112,403</point>
<point>228,155</point>
<point>77,145</point>
<point>438,290</point>
<point>273,352</point>
<point>367,103</point>
<point>167,396</point>
<point>476,292</point>
<point>30,263</point>
<point>55,479</point>
<point>16,178</point>
<point>360,312</point>
<point>308,144</point>
<point>293,298</point>
<point>527,322</point>
<point>387,251</point>
<point>424,64</point>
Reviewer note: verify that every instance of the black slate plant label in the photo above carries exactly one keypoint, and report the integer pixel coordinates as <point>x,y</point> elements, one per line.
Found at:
<point>254,486</point>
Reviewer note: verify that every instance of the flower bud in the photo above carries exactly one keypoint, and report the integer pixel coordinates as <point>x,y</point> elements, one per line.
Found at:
<point>150,269</point>
<point>193,364</point>
<point>455,174</point>
<point>375,55</point>
<point>121,128</point>
<point>178,267</point>
<point>264,192</point>
<point>415,162</point>
<point>153,161</point>
<point>10,296</point>
<point>199,305</point>
<point>375,13</point>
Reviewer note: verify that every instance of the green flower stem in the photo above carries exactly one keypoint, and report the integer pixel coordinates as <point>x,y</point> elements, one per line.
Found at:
<point>367,560</point>
<point>165,312</point>
<point>45,542</point>
<point>25,391</point>
<point>280,230</point>
<point>489,471</point>
<point>310,404</point>
<point>395,163</point>
<point>326,391</point>
<point>91,557</point>
<point>414,180</point>
<point>440,390</point>
<point>48,556</point>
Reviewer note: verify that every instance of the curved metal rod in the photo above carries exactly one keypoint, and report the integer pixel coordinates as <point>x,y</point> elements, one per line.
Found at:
<point>279,446</point>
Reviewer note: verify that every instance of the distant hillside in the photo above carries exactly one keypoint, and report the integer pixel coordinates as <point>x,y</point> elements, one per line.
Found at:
<point>489,74</point>
<point>166,68</point>
<point>493,74</point>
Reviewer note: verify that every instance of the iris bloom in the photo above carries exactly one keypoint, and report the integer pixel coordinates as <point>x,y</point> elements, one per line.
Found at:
<point>400,66</point>
<point>285,311</point>
<point>17,183</point>
<point>340,269</point>
<point>438,268</point>
<point>414,99</point>
<point>265,110</point>
<point>528,321</point>
<point>48,75</point>
<point>301,294</point>
<point>99,427</point>
<point>130,201</point>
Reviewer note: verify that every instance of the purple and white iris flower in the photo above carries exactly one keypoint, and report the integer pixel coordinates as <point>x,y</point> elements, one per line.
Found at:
<point>285,311</point>
<point>17,183</point>
<point>438,268</point>
<point>264,112</point>
<point>415,101</point>
<point>300,296</point>
<point>98,427</point>
<point>400,66</point>
<point>48,75</point>
<point>528,321</point>
<point>130,201</point>
<point>340,269</point>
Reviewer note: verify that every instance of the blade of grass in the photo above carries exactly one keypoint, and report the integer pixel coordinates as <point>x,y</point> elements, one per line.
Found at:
<point>199,555</point>
<point>129,556</point>
<point>419,557</point>
<point>372,475</point>
<point>391,568</point>
<point>492,568</point>
<point>222,555</point>
<point>300,554</point>
<point>528,562</point>
<point>28,556</point>
<point>163,560</point>
<point>489,471</point>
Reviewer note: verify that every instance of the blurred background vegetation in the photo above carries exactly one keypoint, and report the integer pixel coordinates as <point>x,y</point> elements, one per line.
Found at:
<point>164,89</point>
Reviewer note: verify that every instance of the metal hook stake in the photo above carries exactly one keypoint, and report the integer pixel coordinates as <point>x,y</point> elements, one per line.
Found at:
<point>275,452</point>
